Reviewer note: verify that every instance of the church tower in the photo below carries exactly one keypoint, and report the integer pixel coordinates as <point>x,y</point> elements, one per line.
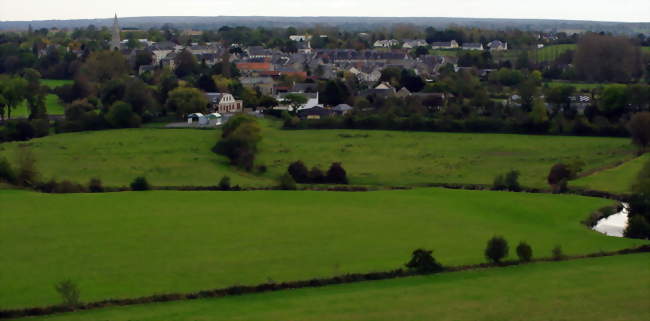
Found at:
<point>115,40</point>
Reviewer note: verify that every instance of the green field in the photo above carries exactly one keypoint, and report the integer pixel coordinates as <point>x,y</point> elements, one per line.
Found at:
<point>53,83</point>
<point>609,288</point>
<point>549,53</point>
<point>183,157</point>
<point>139,243</point>
<point>577,85</point>
<point>616,180</point>
<point>52,104</point>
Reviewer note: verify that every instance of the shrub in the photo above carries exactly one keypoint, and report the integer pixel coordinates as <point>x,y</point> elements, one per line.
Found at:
<point>423,262</point>
<point>637,228</point>
<point>512,181</point>
<point>336,174</point>
<point>287,182</point>
<point>557,253</point>
<point>497,249</point>
<point>240,137</point>
<point>639,128</point>
<point>27,172</point>
<point>499,183</point>
<point>557,178</point>
<point>69,292</point>
<point>524,252</point>
<point>140,184</point>
<point>224,183</point>
<point>316,175</point>
<point>95,185</point>
<point>299,172</point>
<point>7,173</point>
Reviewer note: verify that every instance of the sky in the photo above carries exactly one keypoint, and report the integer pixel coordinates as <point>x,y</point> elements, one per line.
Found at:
<point>602,10</point>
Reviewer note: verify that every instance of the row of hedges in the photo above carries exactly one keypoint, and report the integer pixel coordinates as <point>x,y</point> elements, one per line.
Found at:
<point>579,127</point>
<point>270,287</point>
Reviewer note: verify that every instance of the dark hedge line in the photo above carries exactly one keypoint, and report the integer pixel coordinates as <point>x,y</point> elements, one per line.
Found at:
<point>471,125</point>
<point>271,287</point>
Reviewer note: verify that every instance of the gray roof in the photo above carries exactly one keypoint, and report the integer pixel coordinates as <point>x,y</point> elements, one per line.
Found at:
<point>342,107</point>
<point>214,98</point>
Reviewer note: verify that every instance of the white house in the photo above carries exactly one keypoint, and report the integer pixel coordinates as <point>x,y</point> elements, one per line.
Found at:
<point>386,43</point>
<point>445,45</point>
<point>410,44</point>
<point>224,103</point>
<point>497,45</point>
<point>300,38</point>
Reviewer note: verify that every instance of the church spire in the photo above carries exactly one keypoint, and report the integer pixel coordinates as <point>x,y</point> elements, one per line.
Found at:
<point>115,40</point>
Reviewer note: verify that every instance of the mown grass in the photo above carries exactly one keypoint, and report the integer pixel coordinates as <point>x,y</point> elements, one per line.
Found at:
<point>53,83</point>
<point>52,105</point>
<point>140,243</point>
<point>183,157</point>
<point>608,288</point>
<point>616,180</point>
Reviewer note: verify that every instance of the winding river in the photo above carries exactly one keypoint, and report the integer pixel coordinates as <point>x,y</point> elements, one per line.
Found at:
<point>615,224</point>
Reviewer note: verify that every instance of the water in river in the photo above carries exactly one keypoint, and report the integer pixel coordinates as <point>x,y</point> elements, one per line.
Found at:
<point>614,225</point>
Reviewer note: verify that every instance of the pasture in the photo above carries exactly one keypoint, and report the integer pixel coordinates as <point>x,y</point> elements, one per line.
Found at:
<point>119,245</point>
<point>616,180</point>
<point>608,288</point>
<point>175,157</point>
<point>52,105</point>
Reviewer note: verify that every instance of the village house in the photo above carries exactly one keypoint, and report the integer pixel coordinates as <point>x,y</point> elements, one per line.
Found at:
<point>265,85</point>
<point>251,68</point>
<point>224,103</point>
<point>386,43</point>
<point>410,44</point>
<point>497,45</point>
<point>472,46</point>
<point>300,38</point>
<point>445,45</point>
<point>315,113</point>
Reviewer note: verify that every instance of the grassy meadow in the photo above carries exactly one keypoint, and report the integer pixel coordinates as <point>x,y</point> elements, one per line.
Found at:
<point>138,243</point>
<point>616,180</point>
<point>174,157</point>
<point>608,288</point>
<point>52,103</point>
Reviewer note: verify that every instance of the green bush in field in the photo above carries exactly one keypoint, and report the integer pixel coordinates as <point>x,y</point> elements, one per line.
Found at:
<point>140,184</point>
<point>69,292</point>
<point>497,249</point>
<point>524,252</point>
<point>423,262</point>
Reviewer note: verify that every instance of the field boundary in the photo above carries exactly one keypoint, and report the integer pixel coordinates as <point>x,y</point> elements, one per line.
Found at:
<point>291,285</point>
<point>607,167</point>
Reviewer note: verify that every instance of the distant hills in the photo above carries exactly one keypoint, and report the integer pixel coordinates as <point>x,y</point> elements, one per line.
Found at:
<point>348,23</point>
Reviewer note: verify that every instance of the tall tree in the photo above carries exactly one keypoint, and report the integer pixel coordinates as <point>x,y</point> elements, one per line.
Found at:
<point>606,58</point>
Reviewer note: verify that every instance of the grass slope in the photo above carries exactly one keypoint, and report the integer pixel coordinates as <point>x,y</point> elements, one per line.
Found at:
<point>140,243</point>
<point>165,157</point>
<point>610,288</point>
<point>183,157</point>
<point>616,180</point>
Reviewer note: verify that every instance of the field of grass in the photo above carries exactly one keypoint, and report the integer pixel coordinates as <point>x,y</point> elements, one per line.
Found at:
<point>577,85</point>
<point>53,83</point>
<point>52,103</point>
<point>549,53</point>
<point>609,288</point>
<point>615,180</point>
<point>183,157</point>
<point>139,243</point>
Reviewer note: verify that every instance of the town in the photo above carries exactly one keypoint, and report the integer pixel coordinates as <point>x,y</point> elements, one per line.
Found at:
<point>323,168</point>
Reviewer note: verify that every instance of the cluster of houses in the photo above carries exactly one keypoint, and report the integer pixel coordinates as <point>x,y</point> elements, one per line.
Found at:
<point>495,45</point>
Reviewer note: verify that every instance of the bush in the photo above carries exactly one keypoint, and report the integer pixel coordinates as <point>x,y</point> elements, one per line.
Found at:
<point>299,172</point>
<point>423,262</point>
<point>316,176</point>
<point>557,178</point>
<point>499,183</point>
<point>637,228</point>
<point>287,182</point>
<point>497,249</point>
<point>27,172</point>
<point>140,184</point>
<point>524,252</point>
<point>240,137</point>
<point>507,182</point>
<point>95,185</point>
<point>512,181</point>
<point>224,183</point>
<point>557,253</point>
<point>69,292</point>
<point>336,174</point>
<point>7,173</point>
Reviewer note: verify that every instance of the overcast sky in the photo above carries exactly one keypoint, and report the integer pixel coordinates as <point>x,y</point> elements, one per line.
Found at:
<point>604,10</point>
